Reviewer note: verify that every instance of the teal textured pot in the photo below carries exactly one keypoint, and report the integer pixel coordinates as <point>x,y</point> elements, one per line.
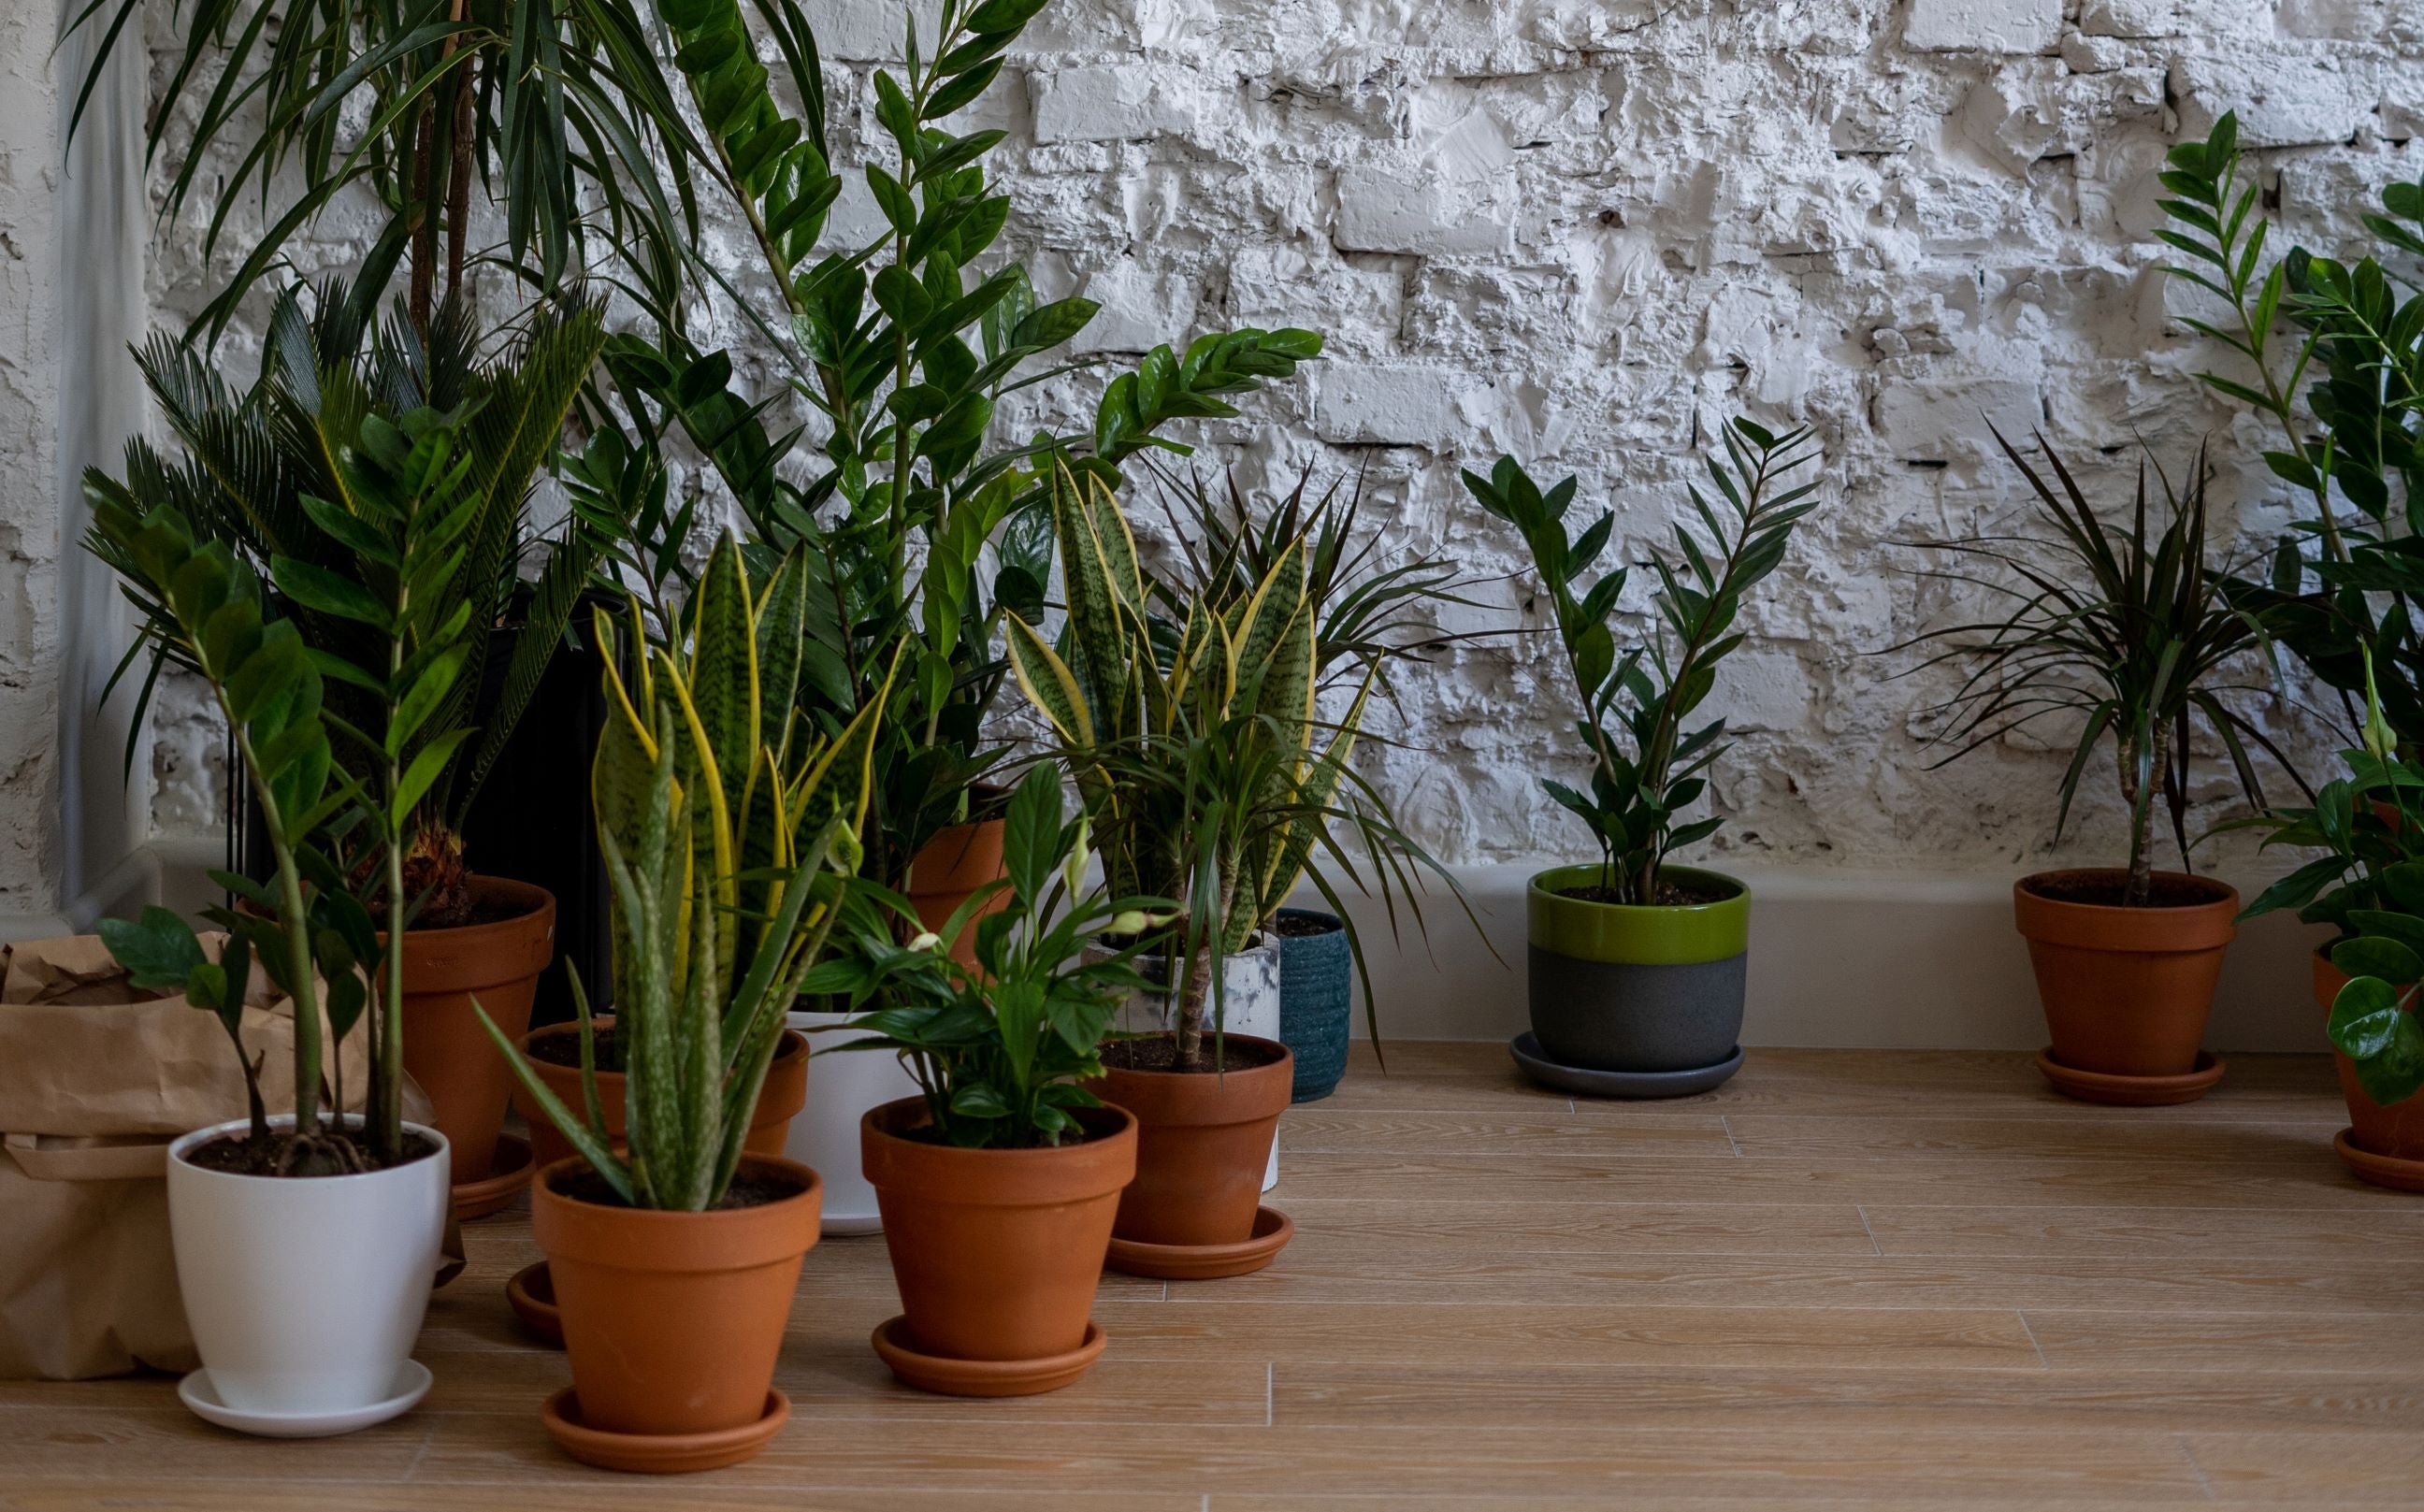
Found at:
<point>1316,1001</point>
<point>1624,988</point>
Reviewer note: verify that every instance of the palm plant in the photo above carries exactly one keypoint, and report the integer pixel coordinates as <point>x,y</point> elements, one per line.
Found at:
<point>728,828</point>
<point>1196,740</point>
<point>1001,1052</point>
<point>1646,766</point>
<point>404,499</point>
<point>551,107</point>
<point>2127,628</point>
<point>265,470</point>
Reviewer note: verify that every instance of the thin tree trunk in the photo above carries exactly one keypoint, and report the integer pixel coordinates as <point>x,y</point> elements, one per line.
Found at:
<point>2139,889</point>
<point>458,184</point>
<point>1205,960</point>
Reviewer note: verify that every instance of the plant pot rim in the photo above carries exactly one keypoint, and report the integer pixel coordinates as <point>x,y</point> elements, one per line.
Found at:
<point>2172,929</point>
<point>2225,895</point>
<point>1287,1060</point>
<point>1636,934</point>
<point>540,901</point>
<point>1337,924</point>
<point>195,1138</point>
<point>811,1192</point>
<point>1540,882</point>
<point>872,1125</point>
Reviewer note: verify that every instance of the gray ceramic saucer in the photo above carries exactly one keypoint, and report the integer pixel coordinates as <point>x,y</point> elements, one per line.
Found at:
<point>1590,1083</point>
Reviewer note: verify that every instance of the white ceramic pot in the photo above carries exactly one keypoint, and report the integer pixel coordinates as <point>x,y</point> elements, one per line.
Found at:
<point>305,1294</point>
<point>1249,990</point>
<point>824,1133</point>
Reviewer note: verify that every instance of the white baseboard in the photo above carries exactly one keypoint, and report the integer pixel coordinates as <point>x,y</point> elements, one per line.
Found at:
<point>1837,959</point>
<point>172,870</point>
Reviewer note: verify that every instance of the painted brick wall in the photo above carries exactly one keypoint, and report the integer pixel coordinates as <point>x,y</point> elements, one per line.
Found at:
<point>1583,231</point>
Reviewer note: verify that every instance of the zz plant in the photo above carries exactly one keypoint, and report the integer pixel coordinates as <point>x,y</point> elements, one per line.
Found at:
<point>1001,1053</point>
<point>925,525</point>
<point>727,828</point>
<point>403,500</point>
<point>1648,761</point>
<point>2331,354</point>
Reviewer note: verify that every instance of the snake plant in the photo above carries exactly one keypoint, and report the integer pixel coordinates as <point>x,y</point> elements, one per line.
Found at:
<point>728,828</point>
<point>1195,737</point>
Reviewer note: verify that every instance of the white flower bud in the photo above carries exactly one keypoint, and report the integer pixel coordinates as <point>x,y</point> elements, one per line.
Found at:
<point>928,941</point>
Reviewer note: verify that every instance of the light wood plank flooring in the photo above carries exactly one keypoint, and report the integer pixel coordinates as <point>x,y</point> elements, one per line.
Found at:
<point>1848,1280</point>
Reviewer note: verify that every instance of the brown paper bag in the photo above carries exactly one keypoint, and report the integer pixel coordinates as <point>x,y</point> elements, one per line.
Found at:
<point>96,1079</point>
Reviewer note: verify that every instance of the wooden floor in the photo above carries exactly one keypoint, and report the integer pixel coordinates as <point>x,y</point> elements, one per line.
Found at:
<point>1847,1279</point>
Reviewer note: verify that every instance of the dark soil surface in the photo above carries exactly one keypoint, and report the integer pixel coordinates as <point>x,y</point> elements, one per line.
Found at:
<point>564,1050</point>
<point>1298,926</point>
<point>749,1188</point>
<point>244,1155</point>
<point>1672,894</point>
<point>1160,1052</point>
<point>2169,890</point>
<point>478,910</point>
<point>1088,1132</point>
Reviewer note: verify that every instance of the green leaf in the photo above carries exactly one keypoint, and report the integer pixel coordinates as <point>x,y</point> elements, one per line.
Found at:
<point>317,588</point>
<point>158,949</point>
<point>2380,957</point>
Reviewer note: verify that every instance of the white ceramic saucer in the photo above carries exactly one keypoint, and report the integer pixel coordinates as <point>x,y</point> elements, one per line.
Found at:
<point>411,1385</point>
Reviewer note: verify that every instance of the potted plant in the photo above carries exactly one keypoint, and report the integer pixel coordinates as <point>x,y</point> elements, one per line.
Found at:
<point>1191,727</point>
<point>1364,599</point>
<point>923,522</point>
<point>252,472</point>
<point>2370,886</point>
<point>726,831</point>
<point>2128,630</point>
<point>999,1178</point>
<point>1637,966</point>
<point>307,1242</point>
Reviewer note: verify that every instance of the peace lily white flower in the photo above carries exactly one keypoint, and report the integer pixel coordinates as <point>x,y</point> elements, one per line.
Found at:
<point>929,941</point>
<point>1073,871</point>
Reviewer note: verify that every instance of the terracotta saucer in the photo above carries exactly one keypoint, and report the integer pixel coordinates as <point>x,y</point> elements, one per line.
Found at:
<point>2133,1091</point>
<point>509,1171</point>
<point>1273,1228</point>
<point>531,1292</point>
<point>2383,1170</point>
<point>947,1377</point>
<point>660,1454</point>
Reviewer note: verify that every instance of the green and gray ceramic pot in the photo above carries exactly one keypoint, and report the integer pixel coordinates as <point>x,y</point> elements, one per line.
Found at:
<point>1637,988</point>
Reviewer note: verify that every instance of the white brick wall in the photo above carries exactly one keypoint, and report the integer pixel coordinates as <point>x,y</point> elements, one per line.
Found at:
<point>1586,231</point>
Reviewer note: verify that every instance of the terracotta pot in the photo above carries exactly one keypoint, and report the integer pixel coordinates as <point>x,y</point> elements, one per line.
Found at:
<point>996,1252</point>
<point>672,1320</point>
<point>2126,991</point>
<point>785,1091</point>
<point>1202,1143</point>
<point>2395,1131</point>
<point>953,866</point>
<point>445,1050</point>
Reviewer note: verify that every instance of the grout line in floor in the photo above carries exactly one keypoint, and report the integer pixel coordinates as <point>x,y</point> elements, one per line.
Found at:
<point>2033,1340</point>
<point>1861,1208</point>
<point>2189,1453</point>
